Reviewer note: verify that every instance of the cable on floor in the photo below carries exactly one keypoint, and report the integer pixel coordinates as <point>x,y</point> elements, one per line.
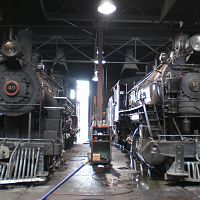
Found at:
<point>105,194</point>
<point>63,181</point>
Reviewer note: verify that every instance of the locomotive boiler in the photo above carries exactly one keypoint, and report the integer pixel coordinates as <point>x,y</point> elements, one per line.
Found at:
<point>34,114</point>
<point>159,116</point>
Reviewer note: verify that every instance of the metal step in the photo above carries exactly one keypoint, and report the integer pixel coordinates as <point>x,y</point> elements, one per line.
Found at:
<point>152,120</point>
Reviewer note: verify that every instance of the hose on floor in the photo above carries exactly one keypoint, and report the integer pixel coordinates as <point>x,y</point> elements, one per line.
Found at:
<point>63,181</point>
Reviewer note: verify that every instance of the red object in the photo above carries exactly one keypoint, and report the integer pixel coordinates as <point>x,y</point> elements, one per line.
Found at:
<point>11,88</point>
<point>101,126</point>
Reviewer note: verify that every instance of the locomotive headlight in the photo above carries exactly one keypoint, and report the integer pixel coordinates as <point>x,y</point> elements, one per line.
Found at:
<point>154,148</point>
<point>10,48</point>
<point>195,42</point>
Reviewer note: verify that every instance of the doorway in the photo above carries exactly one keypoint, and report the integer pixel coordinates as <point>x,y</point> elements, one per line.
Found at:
<point>82,110</point>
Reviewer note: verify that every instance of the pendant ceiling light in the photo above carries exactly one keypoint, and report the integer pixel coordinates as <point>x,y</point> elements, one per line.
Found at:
<point>95,77</point>
<point>106,7</point>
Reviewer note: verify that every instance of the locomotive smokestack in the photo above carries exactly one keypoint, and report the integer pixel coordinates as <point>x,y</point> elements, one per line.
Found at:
<point>25,40</point>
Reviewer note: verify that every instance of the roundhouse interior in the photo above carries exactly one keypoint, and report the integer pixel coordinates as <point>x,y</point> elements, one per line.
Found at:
<point>141,111</point>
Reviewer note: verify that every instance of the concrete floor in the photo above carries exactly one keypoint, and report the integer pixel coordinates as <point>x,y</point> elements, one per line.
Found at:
<point>98,183</point>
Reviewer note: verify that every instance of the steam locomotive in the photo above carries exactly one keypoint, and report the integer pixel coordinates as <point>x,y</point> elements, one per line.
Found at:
<point>37,119</point>
<point>157,117</point>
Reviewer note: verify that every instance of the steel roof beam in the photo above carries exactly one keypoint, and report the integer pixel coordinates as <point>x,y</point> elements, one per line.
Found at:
<point>145,44</point>
<point>109,54</point>
<point>122,54</point>
<point>168,4</point>
<point>68,2</point>
<point>42,52</point>
<point>91,62</point>
<point>75,48</point>
<point>43,9</point>
<point>133,4</point>
<point>45,43</point>
<point>151,52</point>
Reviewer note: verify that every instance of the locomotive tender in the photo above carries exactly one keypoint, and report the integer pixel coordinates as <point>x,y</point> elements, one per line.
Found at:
<point>36,117</point>
<point>159,116</point>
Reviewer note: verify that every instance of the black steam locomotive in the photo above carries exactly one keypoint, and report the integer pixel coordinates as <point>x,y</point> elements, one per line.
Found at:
<point>37,120</point>
<point>157,118</point>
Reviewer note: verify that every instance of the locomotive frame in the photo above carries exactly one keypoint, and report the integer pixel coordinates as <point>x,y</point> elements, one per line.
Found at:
<point>37,119</point>
<point>158,117</point>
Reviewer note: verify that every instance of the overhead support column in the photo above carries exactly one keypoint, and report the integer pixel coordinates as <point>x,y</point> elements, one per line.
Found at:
<point>100,77</point>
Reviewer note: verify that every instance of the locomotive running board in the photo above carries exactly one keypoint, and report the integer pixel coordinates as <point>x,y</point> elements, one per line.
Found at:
<point>25,165</point>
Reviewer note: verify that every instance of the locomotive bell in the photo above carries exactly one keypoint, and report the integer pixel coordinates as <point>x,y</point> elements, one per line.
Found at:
<point>10,48</point>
